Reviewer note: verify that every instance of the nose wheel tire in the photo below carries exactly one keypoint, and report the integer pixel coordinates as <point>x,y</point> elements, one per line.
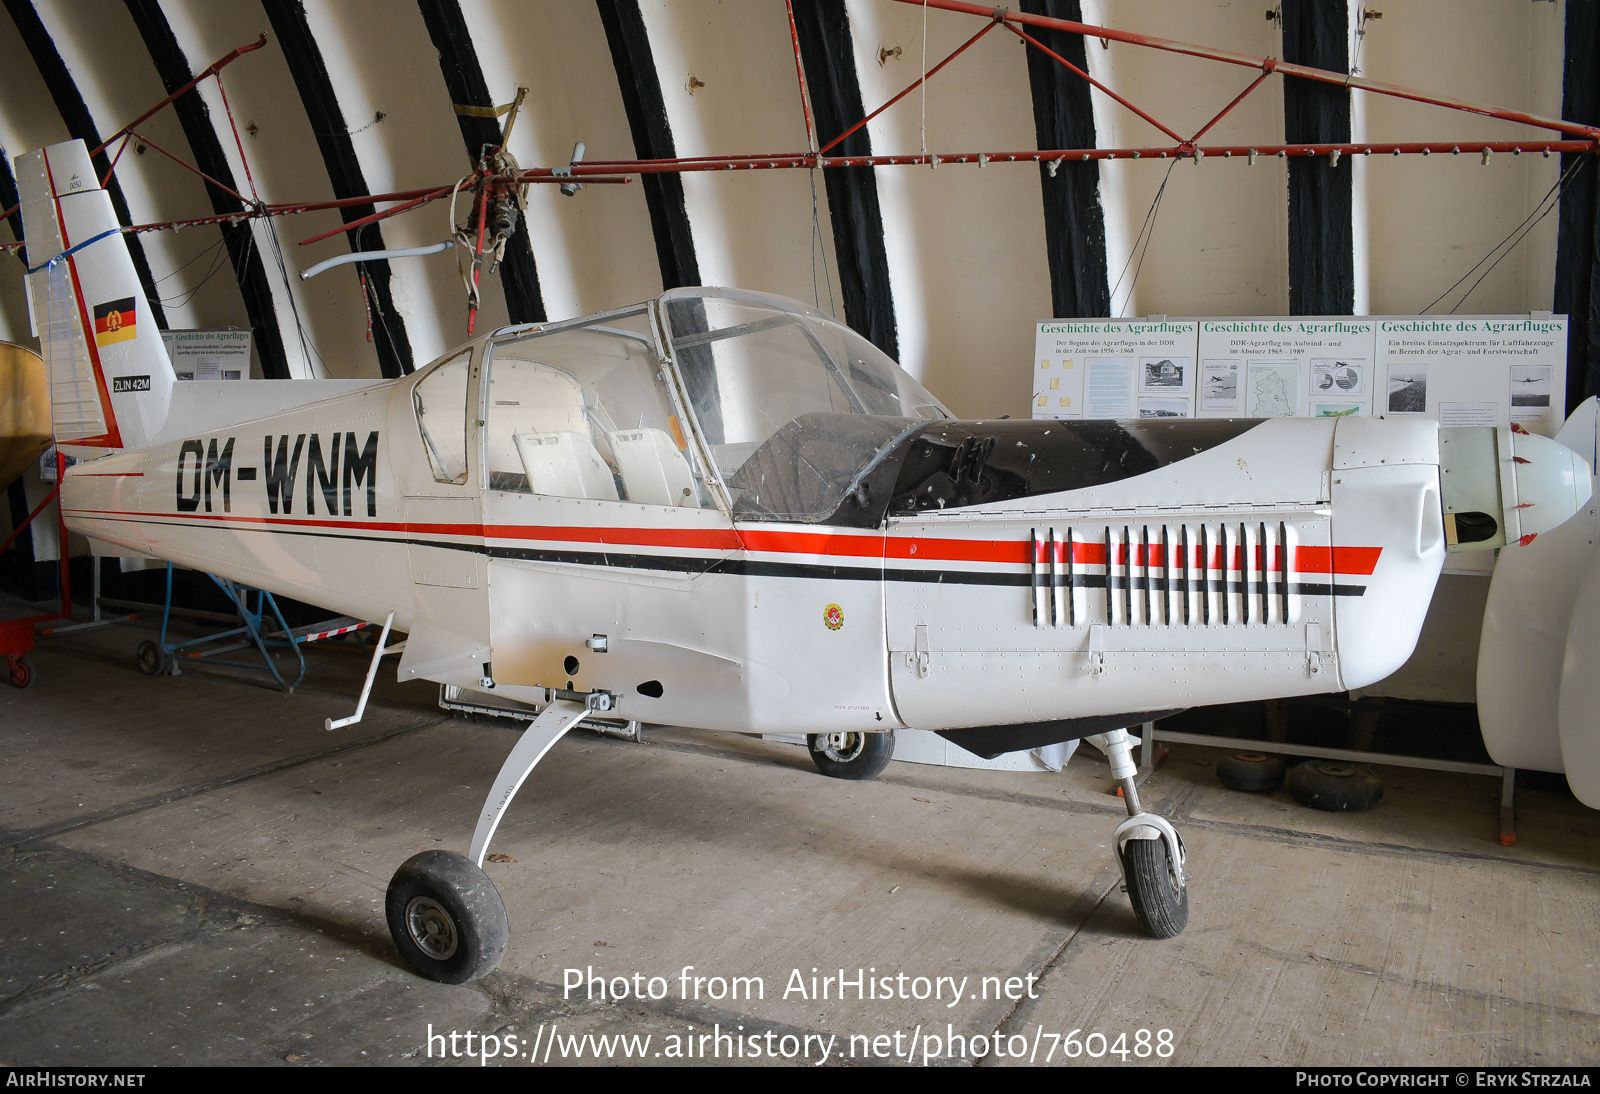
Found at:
<point>851,755</point>
<point>1159,897</point>
<point>446,917</point>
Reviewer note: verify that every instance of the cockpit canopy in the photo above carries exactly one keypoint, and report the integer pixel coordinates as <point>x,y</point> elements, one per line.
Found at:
<point>783,412</point>
<point>793,406</point>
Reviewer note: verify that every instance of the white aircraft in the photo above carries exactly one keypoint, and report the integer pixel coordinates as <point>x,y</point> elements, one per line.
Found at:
<point>725,510</point>
<point>1539,655</point>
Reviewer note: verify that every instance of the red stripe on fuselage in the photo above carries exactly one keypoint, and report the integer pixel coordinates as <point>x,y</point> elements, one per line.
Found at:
<point>1348,561</point>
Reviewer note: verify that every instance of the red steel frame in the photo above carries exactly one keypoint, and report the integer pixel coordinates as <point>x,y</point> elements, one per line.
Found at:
<point>1567,136</point>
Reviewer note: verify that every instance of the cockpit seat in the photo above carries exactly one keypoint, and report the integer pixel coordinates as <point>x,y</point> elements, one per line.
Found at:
<point>653,471</point>
<point>565,465</point>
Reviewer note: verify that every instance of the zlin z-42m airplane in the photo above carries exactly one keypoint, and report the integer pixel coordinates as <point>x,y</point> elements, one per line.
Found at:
<point>725,510</point>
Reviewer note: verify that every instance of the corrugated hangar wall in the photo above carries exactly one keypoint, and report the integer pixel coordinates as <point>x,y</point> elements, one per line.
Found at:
<point>951,266</point>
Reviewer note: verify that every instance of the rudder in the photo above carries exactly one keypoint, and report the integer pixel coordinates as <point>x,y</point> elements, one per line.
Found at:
<point>110,377</point>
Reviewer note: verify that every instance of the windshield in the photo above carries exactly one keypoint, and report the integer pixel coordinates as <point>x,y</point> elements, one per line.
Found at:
<point>793,406</point>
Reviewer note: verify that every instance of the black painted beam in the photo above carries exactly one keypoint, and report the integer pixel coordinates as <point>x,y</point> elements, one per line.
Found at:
<point>172,66</point>
<point>463,77</point>
<point>1063,117</point>
<point>858,240</point>
<point>80,124</point>
<point>9,196</point>
<point>652,139</point>
<point>1578,235</point>
<point>310,72</point>
<point>1321,220</point>
<point>17,563</point>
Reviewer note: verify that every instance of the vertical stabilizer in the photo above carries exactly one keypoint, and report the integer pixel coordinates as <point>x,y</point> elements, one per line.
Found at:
<point>110,379</point>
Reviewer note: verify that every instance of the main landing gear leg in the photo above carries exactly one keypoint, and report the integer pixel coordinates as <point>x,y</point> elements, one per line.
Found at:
<point>1149,849</point>
<point>446,916</point>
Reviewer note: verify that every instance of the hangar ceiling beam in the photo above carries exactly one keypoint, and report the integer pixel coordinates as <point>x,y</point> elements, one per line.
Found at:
<point>1578,235</point>
<point>1074,222</point>
<point>172,66</point>
<point>1321,216</point>
<point>80,124</point>
<point>310,72</point>
<point>8,195</point>
<point>652,139</point>
<point>17,490</point>
<point>822,30</point>
<point>463,77</point>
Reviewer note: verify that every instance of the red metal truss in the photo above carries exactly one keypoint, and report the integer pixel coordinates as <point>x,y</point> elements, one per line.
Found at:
<point>1565,136</point>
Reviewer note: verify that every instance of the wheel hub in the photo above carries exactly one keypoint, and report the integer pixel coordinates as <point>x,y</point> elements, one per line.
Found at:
<point>843,747</point>
<point>431,928</point>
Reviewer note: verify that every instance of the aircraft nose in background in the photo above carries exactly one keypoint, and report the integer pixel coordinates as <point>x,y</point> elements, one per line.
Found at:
<point>1551,482</point>
<point>1502,486</point>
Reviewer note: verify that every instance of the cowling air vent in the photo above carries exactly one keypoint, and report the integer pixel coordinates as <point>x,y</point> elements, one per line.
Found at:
<point>1164,575</point>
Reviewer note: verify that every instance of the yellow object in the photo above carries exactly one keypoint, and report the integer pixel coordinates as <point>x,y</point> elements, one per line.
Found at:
<point>24,410</point>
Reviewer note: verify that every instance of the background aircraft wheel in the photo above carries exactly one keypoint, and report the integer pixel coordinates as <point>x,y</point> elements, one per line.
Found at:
<point>1251,771</point>
<point>446,917</point>
<point>150,658</point>
<point>1334,787</point>
<point>1159,900</point>
<point>851,755</point>
<point>21,672</point>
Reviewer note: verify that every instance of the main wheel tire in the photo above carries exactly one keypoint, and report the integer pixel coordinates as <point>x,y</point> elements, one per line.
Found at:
<point>1251,771</point>
<point>1159,899</point>
<point>851,755</point>
<point>1336,788</point>
<point>150,658</point>
<point>21,672</point>
<point>446,917</point>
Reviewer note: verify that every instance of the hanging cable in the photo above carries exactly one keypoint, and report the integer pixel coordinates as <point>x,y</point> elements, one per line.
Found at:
<point>819,245</point>
<point>1146,231</point>
<point>1545,204</point>
<point>924,126</point>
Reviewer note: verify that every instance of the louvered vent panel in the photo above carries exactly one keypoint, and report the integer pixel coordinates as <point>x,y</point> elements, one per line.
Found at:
<point>1236,574</point>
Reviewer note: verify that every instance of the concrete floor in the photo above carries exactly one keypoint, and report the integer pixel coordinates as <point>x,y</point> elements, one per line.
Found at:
<point>194,872</point>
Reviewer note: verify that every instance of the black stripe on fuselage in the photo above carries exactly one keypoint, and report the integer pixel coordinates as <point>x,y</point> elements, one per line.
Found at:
<point>749,567</point>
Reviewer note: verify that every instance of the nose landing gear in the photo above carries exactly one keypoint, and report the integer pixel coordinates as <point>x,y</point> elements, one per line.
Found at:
<point>1149,849</point>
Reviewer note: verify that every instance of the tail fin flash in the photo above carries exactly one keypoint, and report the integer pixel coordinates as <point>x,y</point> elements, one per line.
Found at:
<point>110,378</point>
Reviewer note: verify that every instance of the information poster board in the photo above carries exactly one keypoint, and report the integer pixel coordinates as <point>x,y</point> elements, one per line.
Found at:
<point>1285,368</point>
<point>1475,370</point>
<point>1114,368</point>
<point>209,354</point>
<point>1456,369</point>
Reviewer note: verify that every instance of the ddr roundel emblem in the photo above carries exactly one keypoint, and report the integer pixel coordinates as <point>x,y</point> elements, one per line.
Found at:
<point>115,321</point>
<point>833,617</point>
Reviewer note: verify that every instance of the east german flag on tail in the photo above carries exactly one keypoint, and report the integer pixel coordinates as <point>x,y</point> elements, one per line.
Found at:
<point>115,321</point>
